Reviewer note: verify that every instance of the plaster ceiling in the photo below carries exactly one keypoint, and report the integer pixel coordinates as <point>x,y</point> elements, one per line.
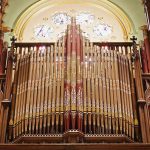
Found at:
<point>132,8</point>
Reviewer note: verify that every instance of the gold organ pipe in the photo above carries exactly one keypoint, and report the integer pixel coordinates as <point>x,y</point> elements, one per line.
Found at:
<point>36,80</point>
<point>54,91</point>
<point>39,59</point>
<point>50,89</point>
<point>97,90</point>
<point>18,120</point>
<point>85,106</point>
<point>118,105</point>
<point>31,94</point>
<point>45,105</point>
<point>112,90</point>
<point>26,72</point>
<point>62,85</point>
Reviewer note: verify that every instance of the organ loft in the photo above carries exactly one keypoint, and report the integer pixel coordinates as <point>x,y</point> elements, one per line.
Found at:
<point>74,74</point>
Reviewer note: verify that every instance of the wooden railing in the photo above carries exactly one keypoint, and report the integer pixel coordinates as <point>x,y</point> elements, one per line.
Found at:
<point>122,47</point>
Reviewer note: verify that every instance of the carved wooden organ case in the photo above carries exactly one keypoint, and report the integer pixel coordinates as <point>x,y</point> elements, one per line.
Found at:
<point>75,91</point>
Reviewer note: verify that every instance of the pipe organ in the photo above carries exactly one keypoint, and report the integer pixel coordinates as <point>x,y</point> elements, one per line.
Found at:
<point>73,91</point>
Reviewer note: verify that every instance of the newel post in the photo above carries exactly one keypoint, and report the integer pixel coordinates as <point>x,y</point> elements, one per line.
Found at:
<point>7,93</point>
<point>143,110</point>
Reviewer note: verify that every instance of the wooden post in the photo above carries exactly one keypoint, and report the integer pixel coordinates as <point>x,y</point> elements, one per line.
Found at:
<point>143,112</point>
<point>1,51</point>
<point>134,102</point>
<point>6,101</point>
<point>146,45</point>
<point>147,12</point>
<point>1,70</point>
<point>143,57</point>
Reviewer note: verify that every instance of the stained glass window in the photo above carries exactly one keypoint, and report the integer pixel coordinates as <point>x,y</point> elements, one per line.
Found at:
<point>61,18</point>
<point>94,25</point>
<point>85,18</point>
<point>102,30</point>
<point>42,31</point>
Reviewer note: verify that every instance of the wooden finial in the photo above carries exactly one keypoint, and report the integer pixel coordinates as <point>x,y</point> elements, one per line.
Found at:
<point>133,39</point>
<point>13,39</point>
<point>135,54</point>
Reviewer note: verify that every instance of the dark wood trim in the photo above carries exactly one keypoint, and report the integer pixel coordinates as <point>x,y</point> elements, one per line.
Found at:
<point>112,44</point>
<point>60,138</point>
<point>2,77</point>
<point>124,44</point>
<point>32,44</point>
<point>75,147</point>
<point>146,76</point>
<point>107,139</point>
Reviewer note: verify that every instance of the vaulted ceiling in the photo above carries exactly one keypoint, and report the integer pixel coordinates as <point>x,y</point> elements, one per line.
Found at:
<point>132,9</point>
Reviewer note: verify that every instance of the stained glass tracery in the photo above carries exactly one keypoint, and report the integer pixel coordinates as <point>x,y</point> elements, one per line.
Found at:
<point>61,19</point>
<point>42,31</point>
<point>100,30</point>
<point>85,18</point>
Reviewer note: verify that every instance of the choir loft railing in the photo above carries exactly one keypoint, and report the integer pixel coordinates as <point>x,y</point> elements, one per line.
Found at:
<point>75,91</point>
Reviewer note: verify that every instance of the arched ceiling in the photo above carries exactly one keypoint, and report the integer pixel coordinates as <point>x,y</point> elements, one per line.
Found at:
<point>133,10</point>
